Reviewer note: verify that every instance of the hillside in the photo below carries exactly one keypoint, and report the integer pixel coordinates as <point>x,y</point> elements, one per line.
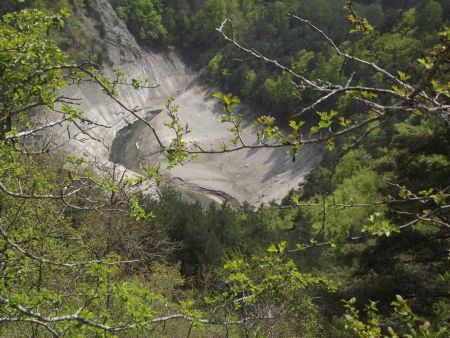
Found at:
<point>319,129</point>
<point>255,177</point>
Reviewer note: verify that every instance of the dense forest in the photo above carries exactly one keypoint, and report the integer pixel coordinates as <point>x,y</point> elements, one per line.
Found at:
<point>361,249</point>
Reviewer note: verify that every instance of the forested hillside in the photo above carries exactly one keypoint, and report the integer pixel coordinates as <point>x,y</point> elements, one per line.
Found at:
<point>361,249</point>
<point>403,29</point>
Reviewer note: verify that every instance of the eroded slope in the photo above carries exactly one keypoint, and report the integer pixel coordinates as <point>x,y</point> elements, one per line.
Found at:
<point>250,175</point>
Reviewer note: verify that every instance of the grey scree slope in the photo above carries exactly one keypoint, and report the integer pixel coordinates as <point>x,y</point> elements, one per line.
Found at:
<point>256,176</point>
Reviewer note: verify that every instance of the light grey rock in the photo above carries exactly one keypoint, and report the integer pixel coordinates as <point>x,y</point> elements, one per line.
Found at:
<point>256,176</point>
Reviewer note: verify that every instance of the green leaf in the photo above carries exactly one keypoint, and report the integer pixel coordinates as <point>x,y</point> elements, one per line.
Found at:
<point>425,62</point>
<point>403,76</point>
<point>399,90</point>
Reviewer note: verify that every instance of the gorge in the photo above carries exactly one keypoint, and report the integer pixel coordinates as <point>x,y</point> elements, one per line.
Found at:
<point>256,176</point>
<point>284,175</point>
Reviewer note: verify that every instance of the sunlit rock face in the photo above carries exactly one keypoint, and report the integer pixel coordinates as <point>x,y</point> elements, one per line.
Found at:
<point>256,176</point>
<point>164,70</point>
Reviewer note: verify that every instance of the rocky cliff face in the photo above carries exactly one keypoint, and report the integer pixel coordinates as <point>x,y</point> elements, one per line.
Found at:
<point>251,175</point>
<point>163,69</point>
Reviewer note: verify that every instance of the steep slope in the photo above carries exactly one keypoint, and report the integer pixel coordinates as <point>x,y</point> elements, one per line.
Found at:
<point>250,175</point>
<point>165,70</point>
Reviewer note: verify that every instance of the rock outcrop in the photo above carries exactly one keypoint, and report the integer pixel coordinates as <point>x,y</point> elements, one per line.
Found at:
<point>250,175</point>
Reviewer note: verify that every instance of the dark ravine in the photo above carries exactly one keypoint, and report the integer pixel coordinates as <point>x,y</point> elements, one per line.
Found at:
<point>122,145</point>
<point>125,146</point>
<point>205,196</point>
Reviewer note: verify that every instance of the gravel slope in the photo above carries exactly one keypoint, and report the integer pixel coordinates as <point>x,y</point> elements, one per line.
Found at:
<point>255,176</point>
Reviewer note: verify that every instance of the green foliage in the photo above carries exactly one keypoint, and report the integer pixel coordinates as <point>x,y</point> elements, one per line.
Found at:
<point>214,64</point>
<point>394,38</point>
<point>269,285</point>
<point>209,234</point>
<point>249,82</point>
<point>21,68</point>
<point>47,273</point>
<point>353,200</point>
<point>206,18</point>
<point>60,255</point>
<point>408,325</point>
<point>143,19</point>
<point>342,223</point>
<point>281,94</point>
<point>177,150</point>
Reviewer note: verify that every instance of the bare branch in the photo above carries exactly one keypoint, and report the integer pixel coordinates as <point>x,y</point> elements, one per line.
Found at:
<point>35,130</point>
<point>51,262</point>
<point>260,56</point>
<point>38,196</point>
<point>30,320</point>
<point>77,317</point>
<point>348,56</point>
<point>417,219</point>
